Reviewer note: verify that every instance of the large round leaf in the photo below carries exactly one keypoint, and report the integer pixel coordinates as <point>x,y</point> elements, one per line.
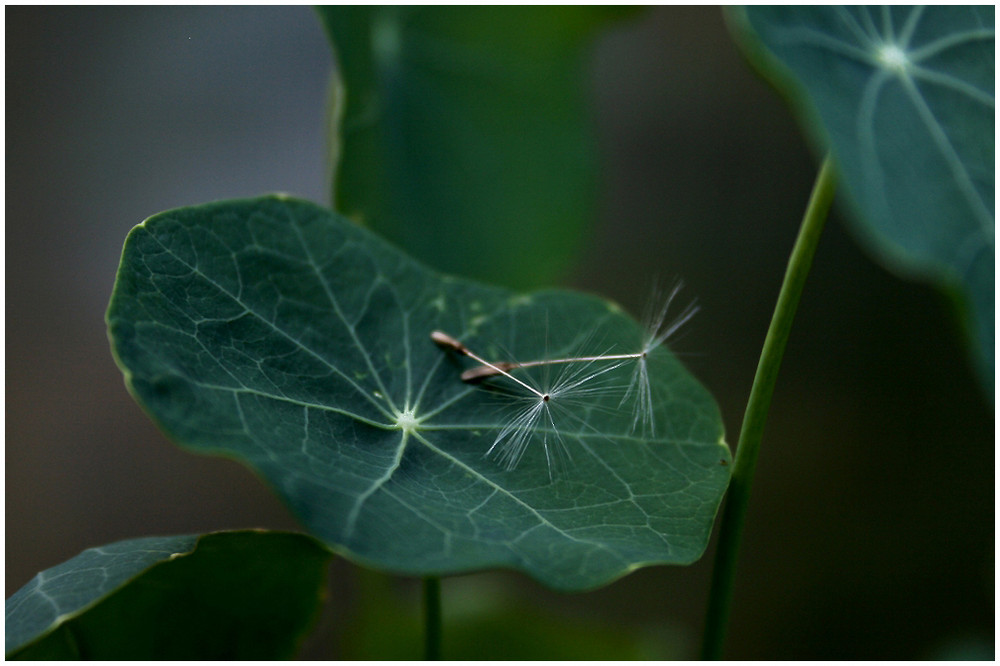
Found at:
<point>276,332</point>
<point>904,97</point>
<point>248,594</point>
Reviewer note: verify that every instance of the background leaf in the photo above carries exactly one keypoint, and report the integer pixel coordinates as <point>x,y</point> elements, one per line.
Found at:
<point>227,595</point>
<point>904,96</point>
<point>485,618</point>
<point>276,332</point>
<point>463,133</point>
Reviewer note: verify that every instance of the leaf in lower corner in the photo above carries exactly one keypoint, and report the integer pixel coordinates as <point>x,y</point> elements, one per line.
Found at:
<point>227,595</point>
<point>276,332</point>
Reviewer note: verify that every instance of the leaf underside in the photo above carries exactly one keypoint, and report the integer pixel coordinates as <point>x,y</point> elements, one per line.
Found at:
<point>904,97</point>
<point>275,332</point>
<point>229,595</point>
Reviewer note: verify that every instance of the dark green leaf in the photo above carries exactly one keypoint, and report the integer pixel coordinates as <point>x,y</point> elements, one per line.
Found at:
<point>276,332</point>
<point>230,595</point>
<point>904,97</point>
<point>462,133</point>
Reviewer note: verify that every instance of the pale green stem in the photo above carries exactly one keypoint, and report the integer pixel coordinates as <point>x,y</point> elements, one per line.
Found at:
<point>738,495</point>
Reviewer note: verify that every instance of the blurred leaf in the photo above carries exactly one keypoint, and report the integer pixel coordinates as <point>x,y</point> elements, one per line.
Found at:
<point>278,333</point>
<point>523,632</point>
<point>485,620</point>
<point>904,96</point>
<point>463,133</point>
<point>229,595</point>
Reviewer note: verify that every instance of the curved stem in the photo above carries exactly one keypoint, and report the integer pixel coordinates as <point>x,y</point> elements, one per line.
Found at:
<point>432,618</point>
<point>734,514</point>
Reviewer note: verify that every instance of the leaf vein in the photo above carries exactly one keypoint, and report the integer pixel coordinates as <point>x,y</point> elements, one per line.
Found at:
<point>273,326</point>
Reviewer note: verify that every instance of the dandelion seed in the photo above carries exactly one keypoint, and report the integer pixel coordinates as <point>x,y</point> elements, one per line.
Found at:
<point>575,391</point>
<point>639,388</point>
<point>656,335</point>
<point>445,341</point>
<point>547,412</point>
<point>482,372</point>
<point>545,405</point>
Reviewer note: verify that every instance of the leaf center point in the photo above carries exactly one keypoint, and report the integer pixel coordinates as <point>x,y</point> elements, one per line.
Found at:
<point>893,58</point>
<point>407,420</point>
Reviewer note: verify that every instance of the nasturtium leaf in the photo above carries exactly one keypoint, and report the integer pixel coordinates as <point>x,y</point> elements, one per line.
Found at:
<point>464,134</point>
<point>904,98</point>
<point>228,595</point>
<point>276,332</point>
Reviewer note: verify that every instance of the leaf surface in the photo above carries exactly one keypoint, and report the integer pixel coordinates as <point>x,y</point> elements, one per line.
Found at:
<point>463,133</point>
<point>229,595</point>
<point>904,97</point>
<point>274,331</point>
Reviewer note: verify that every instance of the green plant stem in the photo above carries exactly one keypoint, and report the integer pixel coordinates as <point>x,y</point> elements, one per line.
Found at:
<point>738,496</point>
<point>432,618</point>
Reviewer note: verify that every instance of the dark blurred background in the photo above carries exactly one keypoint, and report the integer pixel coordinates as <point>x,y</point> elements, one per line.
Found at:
<point>871,527</point>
